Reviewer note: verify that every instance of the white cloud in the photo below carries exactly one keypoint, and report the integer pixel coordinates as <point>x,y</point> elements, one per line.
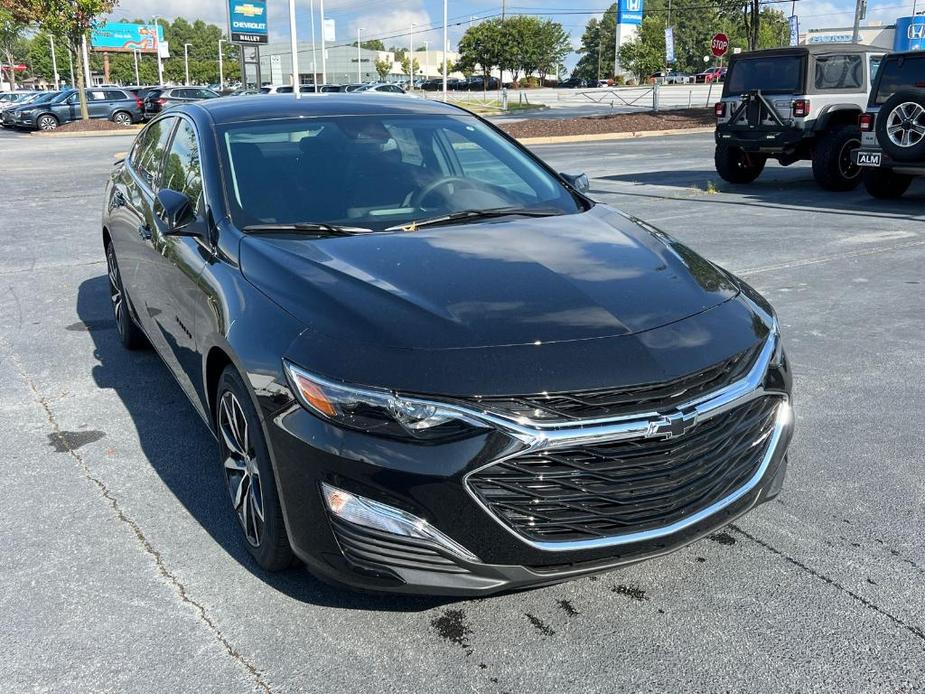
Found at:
<point>392,23</point>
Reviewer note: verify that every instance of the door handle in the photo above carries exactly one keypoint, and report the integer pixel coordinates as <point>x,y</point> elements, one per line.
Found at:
<point>144,231</point>
<point>118,199</point>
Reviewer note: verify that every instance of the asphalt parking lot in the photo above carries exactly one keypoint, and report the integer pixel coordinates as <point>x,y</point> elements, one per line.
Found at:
<point>122,570</point>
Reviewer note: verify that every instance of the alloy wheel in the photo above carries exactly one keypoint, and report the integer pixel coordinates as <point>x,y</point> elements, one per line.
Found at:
<point>48,123</point>
<point>905,126</point>
<point>242,472</point>
<point>115,287</point>
<point>122,119</point>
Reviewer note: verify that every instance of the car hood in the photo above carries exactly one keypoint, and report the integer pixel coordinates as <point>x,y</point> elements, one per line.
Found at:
<point>513,281</point>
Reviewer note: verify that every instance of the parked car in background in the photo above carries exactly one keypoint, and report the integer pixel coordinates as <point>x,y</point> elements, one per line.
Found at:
<point>381,88</point>
<point>10,116</point>
<point>573,83</point>
<point>671,77</point>
<point>142,91</point>
<point>892,151</point>
<point>117,105</point>
<point>17,99</point>
<point>795,104</point>
<point>477,83</point>
<point>162,98</point>
<point>713,74</point>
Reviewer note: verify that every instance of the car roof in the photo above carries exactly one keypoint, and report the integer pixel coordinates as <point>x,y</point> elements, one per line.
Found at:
<point>265,107</point>
<point>905,54</point>
<point>810,49</point>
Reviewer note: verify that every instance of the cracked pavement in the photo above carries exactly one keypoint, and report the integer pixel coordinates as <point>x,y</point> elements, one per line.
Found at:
<point>120,562</point>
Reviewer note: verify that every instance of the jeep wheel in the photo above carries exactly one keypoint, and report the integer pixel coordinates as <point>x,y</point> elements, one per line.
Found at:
<point>886,184</point>
<point>735,166</point>
<point>901,125</point>
<point>833,168</point>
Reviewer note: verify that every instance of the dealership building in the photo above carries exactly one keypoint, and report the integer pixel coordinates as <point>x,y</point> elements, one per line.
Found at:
<point>907,34</point>
<point>341,63</point>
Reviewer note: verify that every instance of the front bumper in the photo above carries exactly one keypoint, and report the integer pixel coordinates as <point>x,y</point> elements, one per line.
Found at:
<point>429,480</point>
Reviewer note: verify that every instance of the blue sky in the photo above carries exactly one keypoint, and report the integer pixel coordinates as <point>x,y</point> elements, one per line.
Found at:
<point>385,19</point>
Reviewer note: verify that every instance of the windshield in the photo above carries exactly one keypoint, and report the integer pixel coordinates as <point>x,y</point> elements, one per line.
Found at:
<point>782,74</point>
<point>907,72</point>
<point>379,171</point>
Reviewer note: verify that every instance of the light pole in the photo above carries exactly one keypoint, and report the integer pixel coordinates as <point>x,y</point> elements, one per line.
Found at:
<point>411,57</point>
<point>137,77</point>
<point>186,60</point>
<point>54,62</point>
<point>445,47</point>
<point>324,50</point>
<point>426,59</point>
<point>359,78</point>
<point>157,47</point>
<point>294,47</point>
<point>311,9</point>
<point>221,66</point>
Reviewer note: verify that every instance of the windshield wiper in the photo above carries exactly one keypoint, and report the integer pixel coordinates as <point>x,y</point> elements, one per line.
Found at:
<point>467,215</point>
<point>313,228</point>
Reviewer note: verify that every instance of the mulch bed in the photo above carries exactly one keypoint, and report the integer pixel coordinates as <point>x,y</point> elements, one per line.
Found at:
<point>617,123</point>
<point>92,125</point>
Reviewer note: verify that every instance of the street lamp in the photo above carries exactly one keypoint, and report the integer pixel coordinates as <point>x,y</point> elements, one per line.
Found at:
<point>445,46</point>
<point>157,47</point>
<point>359,78</point>
<point>426,59</point>
<point>135,52</point>
<point>294,48</point>
<point>221,66</point>
<point>54,62</point>
<point>186,60</point>
<point>411,57</point>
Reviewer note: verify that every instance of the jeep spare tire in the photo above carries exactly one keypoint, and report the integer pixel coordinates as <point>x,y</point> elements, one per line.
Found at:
<point>901,125</point>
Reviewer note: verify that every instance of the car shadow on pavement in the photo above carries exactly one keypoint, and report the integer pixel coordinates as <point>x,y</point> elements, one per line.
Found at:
<point>778,188</point>
<point>182,451</point>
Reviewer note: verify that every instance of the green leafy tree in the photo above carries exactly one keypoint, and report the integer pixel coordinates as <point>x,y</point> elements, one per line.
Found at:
<point>481,47</point>
<point>645,54</point>
<point>450,67</point>
<point>15,18</point>
<point>409,67</point>
<point>372,45</point>
<point>383,67</point>
<point>73,20</point>
<point>597,47</point>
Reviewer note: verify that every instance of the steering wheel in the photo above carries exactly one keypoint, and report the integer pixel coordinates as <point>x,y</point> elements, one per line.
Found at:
<point>419,197</point>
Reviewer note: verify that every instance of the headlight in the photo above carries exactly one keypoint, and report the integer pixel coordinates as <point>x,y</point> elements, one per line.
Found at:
<point>375,410</point>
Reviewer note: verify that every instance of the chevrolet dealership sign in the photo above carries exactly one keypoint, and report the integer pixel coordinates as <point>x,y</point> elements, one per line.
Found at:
<point>248,20</point>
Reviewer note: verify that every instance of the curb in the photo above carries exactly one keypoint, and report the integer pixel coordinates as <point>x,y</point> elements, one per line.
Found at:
<point>600,137</point>
<point>130,130</point>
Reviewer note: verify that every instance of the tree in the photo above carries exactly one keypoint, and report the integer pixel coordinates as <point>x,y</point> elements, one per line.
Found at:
<point>372,45</point>
<point>15,17</point>
<point>450,67</point>
<point>597,46</point>
<point>383,67</point>
<point>645,54</point>
<point>555,45</point>
<point>409,67</point>
<point>481,47</point>
<point>73,20</point>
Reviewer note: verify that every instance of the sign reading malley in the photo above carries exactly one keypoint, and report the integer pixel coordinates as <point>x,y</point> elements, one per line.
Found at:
<point>248,19</point>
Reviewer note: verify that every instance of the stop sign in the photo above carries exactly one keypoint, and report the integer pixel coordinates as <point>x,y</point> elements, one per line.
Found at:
<point>719,45</point>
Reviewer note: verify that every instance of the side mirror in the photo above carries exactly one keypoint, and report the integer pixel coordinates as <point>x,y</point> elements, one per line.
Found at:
<point>578,181</point>
<point>175,211</point>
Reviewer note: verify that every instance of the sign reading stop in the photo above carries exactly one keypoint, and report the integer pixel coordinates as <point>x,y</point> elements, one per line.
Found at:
<point>719,45</point>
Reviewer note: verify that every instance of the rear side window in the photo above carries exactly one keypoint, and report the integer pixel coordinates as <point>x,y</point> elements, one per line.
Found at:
<point>900,73</point>
<point>149,152</point>
<point>782,74</point>
<point>183,170</point>
<point>839,72</point>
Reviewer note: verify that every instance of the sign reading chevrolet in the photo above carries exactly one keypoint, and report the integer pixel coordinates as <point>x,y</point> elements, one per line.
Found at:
<point>248,20</point>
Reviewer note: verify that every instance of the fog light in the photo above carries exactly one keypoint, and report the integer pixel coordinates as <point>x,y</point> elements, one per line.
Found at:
<point>371,514</point>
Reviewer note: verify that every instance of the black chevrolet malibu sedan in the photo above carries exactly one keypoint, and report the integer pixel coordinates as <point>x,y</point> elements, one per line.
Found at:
<point>431,363</point>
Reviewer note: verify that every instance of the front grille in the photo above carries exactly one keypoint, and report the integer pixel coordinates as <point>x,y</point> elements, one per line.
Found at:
<point>614,402</point>
<point>373,550</point>
<point>601,490</point>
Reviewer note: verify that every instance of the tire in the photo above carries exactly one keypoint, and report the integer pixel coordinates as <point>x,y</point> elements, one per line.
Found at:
<point>130,334</point>
<point>900,125</point>
<point>886,184</point>
<point>248,474</point>
<point>833,168</point>
<point>46,122</point>
<point>735,166</point>
<point>123,118</point>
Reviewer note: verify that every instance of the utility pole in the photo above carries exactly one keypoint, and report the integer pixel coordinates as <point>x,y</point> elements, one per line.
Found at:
<point>221,68</point>
<point>157,47</point>
<point>359,78</point>
<point>54,62</point>
<point>411,57</point>
<point>86,57</point>
<point>311,10</point>
<point>860,11</point>
<point>186,61</point>
<point>445,48</point>
<point>294,47</point>
<point>137,75</point>
<point>324,50</point>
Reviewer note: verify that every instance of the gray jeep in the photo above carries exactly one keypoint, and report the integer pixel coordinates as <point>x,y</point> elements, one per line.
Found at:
<point>795,104</point>
<point>892,149</point>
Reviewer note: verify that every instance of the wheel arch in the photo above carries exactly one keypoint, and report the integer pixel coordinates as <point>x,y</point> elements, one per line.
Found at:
<point>836,115</point>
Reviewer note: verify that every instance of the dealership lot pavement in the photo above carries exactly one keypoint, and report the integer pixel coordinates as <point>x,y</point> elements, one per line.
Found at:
<point>121,568</point>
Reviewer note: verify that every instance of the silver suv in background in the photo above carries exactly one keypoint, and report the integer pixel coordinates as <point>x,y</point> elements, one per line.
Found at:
<point>892,149</point>
<point>795,104</point>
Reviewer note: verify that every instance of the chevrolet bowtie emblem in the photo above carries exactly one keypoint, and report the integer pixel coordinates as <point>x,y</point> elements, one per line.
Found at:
<point>672,425</point>
<point>248,10</point>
